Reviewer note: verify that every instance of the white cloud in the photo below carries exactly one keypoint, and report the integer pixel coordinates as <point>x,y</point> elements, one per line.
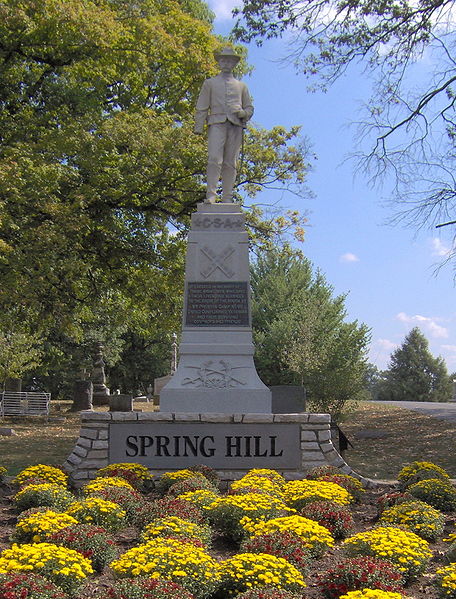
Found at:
<point>428,324</point>
<point>439,248</point>
<point>223,8</point>
<point>380,352</point>
<point>386,344</point>
<point>349,257</point>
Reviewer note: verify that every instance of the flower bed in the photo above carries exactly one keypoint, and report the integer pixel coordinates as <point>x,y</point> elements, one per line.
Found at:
<point>163,549</point>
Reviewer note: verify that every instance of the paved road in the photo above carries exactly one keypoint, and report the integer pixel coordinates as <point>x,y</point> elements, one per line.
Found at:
<point>442,411</point>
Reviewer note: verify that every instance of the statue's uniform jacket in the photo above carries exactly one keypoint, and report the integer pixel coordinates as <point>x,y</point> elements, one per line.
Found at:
<point>219,99</point>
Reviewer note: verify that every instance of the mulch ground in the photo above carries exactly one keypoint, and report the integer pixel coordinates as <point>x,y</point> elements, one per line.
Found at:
<point>365,516</point>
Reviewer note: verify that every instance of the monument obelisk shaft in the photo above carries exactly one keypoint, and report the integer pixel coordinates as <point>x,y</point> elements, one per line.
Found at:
<point>216,372</point>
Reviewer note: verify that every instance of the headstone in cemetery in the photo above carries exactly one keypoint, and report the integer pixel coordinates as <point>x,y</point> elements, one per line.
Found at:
<point>14,385</point>
<point>288,399</point>
<point>120,403</point>
<point>82,396</point>
<point>82,393</point>
<point>100,390</point>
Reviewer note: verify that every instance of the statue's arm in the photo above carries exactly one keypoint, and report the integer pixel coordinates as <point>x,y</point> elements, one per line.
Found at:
<point>247,104</point>
<point>202,107</point>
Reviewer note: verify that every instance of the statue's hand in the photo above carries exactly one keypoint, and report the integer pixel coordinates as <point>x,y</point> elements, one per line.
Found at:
<point>240,113</point>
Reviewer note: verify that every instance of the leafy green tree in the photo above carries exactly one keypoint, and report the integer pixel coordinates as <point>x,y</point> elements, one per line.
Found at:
<point>100,170</point>
<point>414,374</point>
<point>408,127</point>
<point>19,353</point>
<point>300,333</point>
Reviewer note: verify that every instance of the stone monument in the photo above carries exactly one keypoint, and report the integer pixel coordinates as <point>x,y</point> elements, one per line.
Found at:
<point>215,410</point>
<point>216,372</point>
<point>100,390</point>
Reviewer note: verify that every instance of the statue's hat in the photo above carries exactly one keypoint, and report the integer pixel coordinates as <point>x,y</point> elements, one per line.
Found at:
<point>227,52</point>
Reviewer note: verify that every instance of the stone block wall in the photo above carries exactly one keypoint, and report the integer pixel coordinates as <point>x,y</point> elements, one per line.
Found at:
<point>91,451</point>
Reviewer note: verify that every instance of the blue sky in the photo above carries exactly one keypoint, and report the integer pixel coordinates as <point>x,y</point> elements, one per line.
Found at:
<point>388,273</point>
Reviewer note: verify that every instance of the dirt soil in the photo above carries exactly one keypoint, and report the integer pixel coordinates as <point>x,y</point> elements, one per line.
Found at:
<point>364,514</point>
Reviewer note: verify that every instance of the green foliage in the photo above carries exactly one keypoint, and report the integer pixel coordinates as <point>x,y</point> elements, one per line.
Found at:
<point>19,352</point>
<point>414,374</point>
<point>300,333</point>
<point>436,492</point>
<point>99,172</point>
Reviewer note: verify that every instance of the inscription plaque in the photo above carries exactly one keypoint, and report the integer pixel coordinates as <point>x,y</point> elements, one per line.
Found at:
<point>162,445</point>
<point>217,304</point>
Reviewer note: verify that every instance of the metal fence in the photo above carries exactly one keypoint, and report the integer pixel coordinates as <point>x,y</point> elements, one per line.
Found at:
<point>24,403</point>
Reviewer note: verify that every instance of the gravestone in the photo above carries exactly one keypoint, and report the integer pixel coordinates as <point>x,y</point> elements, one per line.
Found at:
<point>216,372</point>
<point>100,390</point>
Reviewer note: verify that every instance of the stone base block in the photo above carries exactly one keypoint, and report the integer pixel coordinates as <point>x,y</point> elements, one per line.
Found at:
<point>231,443</point>
<point>211,400</point>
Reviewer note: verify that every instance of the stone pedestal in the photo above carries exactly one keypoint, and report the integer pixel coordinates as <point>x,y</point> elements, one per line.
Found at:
<point>216,372</point>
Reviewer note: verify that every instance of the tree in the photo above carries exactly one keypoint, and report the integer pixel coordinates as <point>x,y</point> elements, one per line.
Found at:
<point>409,122</point>
<point>300,334</point>
<point>413,374</point>
<point>19,353</point>
<point>100,170</point>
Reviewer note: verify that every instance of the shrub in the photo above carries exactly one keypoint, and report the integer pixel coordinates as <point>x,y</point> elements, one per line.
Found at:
<point>169,478</point>
<point>281,543</point>
<point>438,493</point>
<point>175,527</point>
<point>208,472</point>
<point>47,494</point>
<point>200,498</point>
<point>19,585</point>
<point>357,573</point>
<point>94,510</point>
<point>273,475</point>
<point>92,541</point>
<point>174,560</point>
<point>168,506</point>
<point>445,581</point>
<point>417,471</point>
<point>64,567</point>
<point>317,539</point>
<point>143,588</point>
<point>37,527</point>
<point>269,593</point>
<point>333,516</point>
<point>198,482</point>
<point>50,474</point>
<point>389,499</point>
<point>417,516</point>
<point>99,484</point>
<point>261,484</point>
<point>128,499</point>
<point>299,493</point>
<point>247,570</point>
<point>3,474</point>
<point>405,550</point>
<point>226,513</point>
<point>136,474</point>
<point>349,483</point>
<point>319,471</point>
<point>372,594</point>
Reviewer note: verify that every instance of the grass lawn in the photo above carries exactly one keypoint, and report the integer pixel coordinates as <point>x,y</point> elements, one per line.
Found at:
<point>409,436</point>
